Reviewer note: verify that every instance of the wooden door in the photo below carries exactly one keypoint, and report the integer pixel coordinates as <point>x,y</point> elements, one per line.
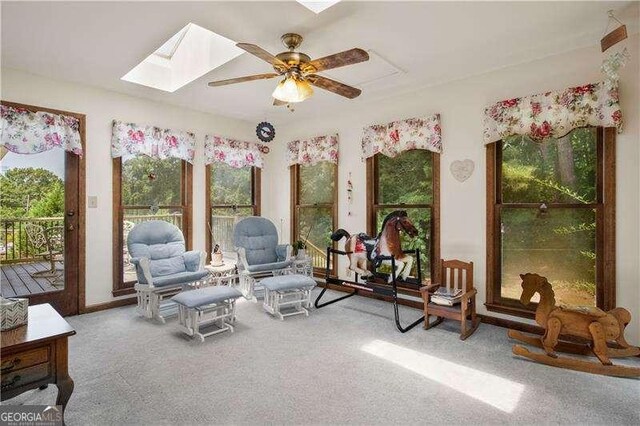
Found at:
<point>67,297</point>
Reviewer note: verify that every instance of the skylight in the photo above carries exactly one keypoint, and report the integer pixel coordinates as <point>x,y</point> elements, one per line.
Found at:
<point>317,6</point>
<point>187,55</point>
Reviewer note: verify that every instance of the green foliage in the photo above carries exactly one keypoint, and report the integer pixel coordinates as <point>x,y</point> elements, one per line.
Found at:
<point>405,179</point>
<point>51,205</point>
<point>147,181</point>
<point>21,189</point>
<point>230,186</point>
<point>552,171</point>
<point>317,183</point>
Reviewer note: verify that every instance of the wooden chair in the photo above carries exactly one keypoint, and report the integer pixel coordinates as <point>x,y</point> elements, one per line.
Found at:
<point>455,275</point>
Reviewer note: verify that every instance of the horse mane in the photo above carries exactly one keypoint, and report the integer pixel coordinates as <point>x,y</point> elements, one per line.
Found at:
<point>395,213</point>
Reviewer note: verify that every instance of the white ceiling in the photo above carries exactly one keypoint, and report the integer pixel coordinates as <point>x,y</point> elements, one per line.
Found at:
<point>431,43</point>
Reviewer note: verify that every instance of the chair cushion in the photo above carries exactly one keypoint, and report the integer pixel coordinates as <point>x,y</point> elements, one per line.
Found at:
<point>288,282</point>
<point>259,237</point>
<point>155,239</point>
<point>168,266</point>
<point>206,296</point>
<point>179,278</point>
<point>269,266</point>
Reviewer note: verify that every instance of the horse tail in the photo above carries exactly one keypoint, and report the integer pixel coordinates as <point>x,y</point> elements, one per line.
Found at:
<point>340,234</point>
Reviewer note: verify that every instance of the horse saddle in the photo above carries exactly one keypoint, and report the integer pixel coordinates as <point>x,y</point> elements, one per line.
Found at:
<point>366,243</point>
<point>370,245</point>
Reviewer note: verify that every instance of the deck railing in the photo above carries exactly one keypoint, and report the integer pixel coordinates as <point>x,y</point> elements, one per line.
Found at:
<point>318,256</point>
<point>222,231</point>
<point>173,218</point>
<point>14,244</point>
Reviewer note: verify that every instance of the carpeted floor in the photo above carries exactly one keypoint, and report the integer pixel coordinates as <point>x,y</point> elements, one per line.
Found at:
<point>345,363</point>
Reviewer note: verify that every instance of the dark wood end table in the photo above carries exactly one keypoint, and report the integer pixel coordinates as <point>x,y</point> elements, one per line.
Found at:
<point>36,354</point>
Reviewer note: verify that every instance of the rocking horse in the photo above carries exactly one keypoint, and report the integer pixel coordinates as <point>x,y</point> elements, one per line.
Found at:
<point>603,332</point>
<point>361,248</point>
<point>385,249</point>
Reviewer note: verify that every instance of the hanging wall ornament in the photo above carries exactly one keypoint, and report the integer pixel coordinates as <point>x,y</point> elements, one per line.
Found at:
<point>349,193</point>
<point>618,57</point>
<point>462,170</point>
<point>612,64</point>
<point>265,131</point>
<point>616,35</point>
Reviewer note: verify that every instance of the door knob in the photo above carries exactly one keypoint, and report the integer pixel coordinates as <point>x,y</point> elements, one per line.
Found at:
<point>71,213</point>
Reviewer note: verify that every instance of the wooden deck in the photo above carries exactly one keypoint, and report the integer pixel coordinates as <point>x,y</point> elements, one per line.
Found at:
<point>17,280</point>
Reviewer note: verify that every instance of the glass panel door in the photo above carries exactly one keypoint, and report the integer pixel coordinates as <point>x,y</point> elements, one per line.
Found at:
<point>38,228</point>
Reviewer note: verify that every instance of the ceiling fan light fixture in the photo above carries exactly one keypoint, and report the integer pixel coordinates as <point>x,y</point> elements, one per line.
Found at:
<point>293,89</point>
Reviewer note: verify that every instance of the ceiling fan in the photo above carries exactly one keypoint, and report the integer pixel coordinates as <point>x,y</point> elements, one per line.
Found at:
<point>299,71</point>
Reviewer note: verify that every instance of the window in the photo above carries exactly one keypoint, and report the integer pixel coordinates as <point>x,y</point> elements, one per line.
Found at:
<point>409,181</point>
<point>315,210</point>
<point>550,211</point>
<point>231,195</point>
<point>147,189</point>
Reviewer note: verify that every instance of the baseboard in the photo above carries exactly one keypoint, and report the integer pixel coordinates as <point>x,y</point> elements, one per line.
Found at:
<point>108,305</point>
<point>514,325</point>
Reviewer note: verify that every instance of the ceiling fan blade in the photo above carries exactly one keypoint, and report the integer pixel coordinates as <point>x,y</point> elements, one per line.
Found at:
<point>348,57</point>
<point>334,86</point>
<point>262,54</point>
<point>278,102</point>
<point>243,79</point>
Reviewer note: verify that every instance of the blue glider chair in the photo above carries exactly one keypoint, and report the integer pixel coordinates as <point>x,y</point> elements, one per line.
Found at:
<point>259,254</point>
<point>163,266</point>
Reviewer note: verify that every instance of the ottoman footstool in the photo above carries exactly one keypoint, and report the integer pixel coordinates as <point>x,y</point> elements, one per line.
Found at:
<point>209,306</point>
<point>285,291</point>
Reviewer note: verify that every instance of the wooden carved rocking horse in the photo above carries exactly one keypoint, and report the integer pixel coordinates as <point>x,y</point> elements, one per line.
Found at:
<point>601,330</point>
<point>362,248</point>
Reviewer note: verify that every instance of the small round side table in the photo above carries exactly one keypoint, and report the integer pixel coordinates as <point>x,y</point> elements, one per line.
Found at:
<point>224,274</point>
<point>303,266</point>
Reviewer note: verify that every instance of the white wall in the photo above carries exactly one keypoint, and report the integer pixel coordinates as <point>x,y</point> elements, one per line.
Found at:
<point>461,106</point>
<point>101,107</point>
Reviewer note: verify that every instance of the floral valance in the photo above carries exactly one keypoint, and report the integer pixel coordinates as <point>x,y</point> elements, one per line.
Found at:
<point>130,139</point>
<point>398,136</point>
<point>554,114</point>
<point>26,132</point>
<point>313,150</point>
<point>237,154</point>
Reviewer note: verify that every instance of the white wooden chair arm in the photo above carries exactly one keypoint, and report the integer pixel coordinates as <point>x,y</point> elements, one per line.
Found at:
<point>144,264</point>
<point>242,257</point>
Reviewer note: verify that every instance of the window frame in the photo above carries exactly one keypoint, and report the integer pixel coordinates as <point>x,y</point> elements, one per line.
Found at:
<point>373,206</point>
<point>120,287</point>
<point>294,171</point>
<point>256,181</point>
<point>605,226</point>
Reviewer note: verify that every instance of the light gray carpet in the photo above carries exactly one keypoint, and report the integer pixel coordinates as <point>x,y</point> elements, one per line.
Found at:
<point>345,363</point>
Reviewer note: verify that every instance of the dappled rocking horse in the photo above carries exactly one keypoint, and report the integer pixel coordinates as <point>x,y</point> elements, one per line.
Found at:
<point>602,331</point>
<point>385,249</point>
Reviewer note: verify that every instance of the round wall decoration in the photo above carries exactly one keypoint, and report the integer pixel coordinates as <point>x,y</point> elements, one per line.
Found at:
<point>265,132</point>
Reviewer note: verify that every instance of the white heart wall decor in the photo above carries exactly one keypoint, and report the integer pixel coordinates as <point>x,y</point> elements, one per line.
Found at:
<point>462,169</point>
